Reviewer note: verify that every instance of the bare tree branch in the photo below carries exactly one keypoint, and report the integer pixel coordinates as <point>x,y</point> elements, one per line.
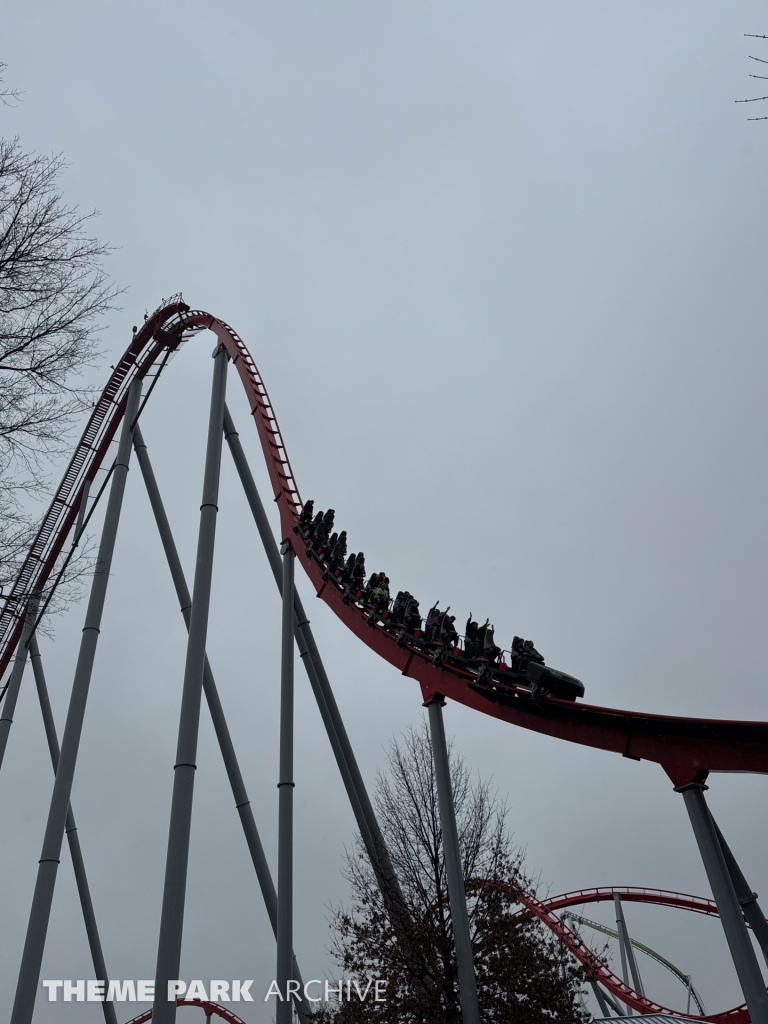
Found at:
<point>524,975</point>
<point>7,96</point>
<point>52,293</point>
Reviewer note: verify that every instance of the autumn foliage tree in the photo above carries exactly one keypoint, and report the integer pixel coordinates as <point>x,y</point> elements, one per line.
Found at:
<point>523,973</point>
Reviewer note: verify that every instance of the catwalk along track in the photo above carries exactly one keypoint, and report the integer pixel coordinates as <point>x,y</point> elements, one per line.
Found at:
<point>687,748</point>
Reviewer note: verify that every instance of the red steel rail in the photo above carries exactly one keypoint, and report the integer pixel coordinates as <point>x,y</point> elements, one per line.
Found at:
<point>683,746</point>
<point>213,1009</point>
<point>597,968</point>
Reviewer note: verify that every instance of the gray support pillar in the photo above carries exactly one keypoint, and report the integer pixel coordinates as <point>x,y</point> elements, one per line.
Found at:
<point>239,792</point>
<point>612,1003</point>
<point>623,953</point>
<point>744,894</point>
<point>600,998</point>
<point>84,891</point>
<point>624,939</point>
<point>285,786</point>
<point>81,511</point>
<point>326,702</point>
<point>177,857</point>
<point>29,972</point>
<point>8,706</point>
<point>457,896</point>
<point>736,934</point>
<point>357,793</point>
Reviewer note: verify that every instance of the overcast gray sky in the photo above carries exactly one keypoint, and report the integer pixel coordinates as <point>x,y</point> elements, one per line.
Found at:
<point>502,266</point>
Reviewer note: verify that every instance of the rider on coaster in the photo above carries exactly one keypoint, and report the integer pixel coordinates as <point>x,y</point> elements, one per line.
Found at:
<point>525,649</point>
<point>472,644</point>
<point>377,591</point>
<point>337,552</point>
<point>432,623</point>
<point>358,573</point>
<point>348,570</point>
<point>323,531</point>
<point>306,515</point>
<point>412,616</point>
<point>448,633</point>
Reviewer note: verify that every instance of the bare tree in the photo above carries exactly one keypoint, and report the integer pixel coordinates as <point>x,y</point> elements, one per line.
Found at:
<point>524,975</point>
<point>52,292</point>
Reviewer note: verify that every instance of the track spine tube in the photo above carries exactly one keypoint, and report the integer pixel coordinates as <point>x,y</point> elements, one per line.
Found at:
<point>34,945</point>
<point>470,1008</point>
<point>736,934</point>
<point>70,828</point>
<point>231,764</point>
<point>177,857</point>
<point>284,1010</point>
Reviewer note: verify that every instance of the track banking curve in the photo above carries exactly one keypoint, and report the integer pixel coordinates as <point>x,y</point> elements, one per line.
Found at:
<point>683,746</point>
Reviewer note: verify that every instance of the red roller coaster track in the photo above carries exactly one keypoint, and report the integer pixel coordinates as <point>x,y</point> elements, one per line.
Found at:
<point>210,1009</point>
<point>685,747</point>
<point>545,910</point>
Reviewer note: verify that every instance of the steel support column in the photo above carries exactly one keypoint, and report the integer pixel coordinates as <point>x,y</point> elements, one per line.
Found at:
<point>457,896</point>
<point>235,776</point>
<point>82,510</point>
<point>8,706</point>
<point>326,702</point>
<point>626,942</point>
<point>600,998</point>
<point>736,934</point>
<point>29,972</point>
<point>360,802</point>
<point>285,786</point>
<point>745,895</point>
<point>613,1004</point>
<point>70,829</point>
<point>624,968</point>
<point>177,857</point>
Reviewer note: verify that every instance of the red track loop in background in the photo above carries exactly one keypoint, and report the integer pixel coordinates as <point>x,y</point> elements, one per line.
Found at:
<point>595,967</point>
<point>210,1008</point>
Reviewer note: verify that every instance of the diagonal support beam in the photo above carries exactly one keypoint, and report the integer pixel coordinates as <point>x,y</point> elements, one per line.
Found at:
<point>349,769</point>
<point>231,764</point>
<point>177,857</point>
<point>83,889</point>
<point>321,688</point>
<point>8,706</point>
<point>745,895</point>
<point>600,998</point>
<point>731,917</point>
<point>37,929</point>
<point>626,946</point>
